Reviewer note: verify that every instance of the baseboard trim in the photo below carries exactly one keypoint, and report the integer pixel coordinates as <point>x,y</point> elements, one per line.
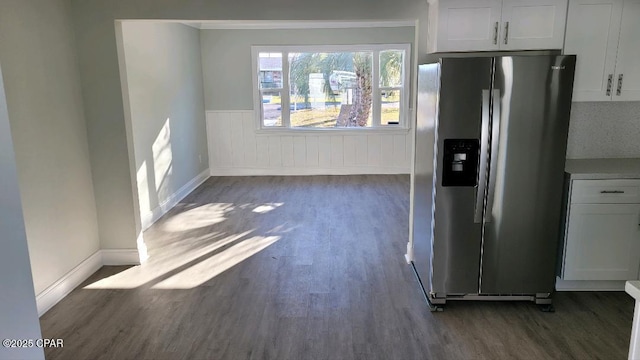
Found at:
<point>292,171</point>
<point>152,216</point>
<point>112,257</point>
<point>61,288</point>
<point>589,285</point>
<point>409,255</point>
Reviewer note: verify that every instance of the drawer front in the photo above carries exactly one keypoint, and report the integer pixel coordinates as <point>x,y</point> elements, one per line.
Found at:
<point>625,191</point>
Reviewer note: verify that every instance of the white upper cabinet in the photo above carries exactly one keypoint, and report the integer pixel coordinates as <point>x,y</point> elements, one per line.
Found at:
<point>593,27</point>
<point>627,74</point>
<point>490,25</point>
<point>463,25</point>
<point>605,34</point>
<point>533,24</point>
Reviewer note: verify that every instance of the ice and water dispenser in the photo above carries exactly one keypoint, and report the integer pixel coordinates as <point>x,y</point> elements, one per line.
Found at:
<point>460,162</point>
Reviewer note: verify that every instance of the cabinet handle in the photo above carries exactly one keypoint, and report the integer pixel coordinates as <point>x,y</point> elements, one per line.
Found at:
<point>619,90</point>
<point>609,83</point>
<point>506,33</point>
<point>611,192</point>
<point>495,33</point>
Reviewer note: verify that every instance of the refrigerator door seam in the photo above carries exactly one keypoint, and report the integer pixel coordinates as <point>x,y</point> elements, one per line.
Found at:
<point>495,139</point>
<point>487,183</point>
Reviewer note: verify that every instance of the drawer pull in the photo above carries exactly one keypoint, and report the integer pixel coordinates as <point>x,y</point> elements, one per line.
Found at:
<point>611,192</point>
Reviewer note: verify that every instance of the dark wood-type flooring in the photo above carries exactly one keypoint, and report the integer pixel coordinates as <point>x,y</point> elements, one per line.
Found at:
<point>308,268</point>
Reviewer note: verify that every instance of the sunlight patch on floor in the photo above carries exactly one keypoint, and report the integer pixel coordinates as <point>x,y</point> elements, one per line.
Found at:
<point>262,209</point>
<point>142,274</point>
<point>211,214</point>
<point>209,268</point>
<point>199,217</point>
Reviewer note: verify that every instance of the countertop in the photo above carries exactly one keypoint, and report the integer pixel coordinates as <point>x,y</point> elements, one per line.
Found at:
<point>603,168</point>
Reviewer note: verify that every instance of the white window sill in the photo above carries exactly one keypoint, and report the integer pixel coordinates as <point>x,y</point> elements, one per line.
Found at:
<point>334,131</point>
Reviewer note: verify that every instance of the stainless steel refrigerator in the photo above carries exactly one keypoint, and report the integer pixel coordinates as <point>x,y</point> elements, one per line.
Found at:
<point>491,139</point>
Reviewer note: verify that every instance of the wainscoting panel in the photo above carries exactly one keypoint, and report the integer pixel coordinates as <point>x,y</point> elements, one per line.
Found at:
<point>236,147</point>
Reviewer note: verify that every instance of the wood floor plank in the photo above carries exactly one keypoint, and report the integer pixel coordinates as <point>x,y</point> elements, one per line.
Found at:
<point>307,268</point>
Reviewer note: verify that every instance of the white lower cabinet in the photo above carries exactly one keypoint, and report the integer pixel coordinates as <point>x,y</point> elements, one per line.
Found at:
<point>603,242</point>
<point>602,230</point>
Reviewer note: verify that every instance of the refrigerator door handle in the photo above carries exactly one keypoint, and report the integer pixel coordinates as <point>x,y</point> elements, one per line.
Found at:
<point>484,154</point>
<point>495,141</point>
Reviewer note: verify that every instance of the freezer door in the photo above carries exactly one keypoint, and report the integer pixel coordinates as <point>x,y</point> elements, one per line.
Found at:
<point>463,118</point>
<point>427,111</point>
<point>532,95</point>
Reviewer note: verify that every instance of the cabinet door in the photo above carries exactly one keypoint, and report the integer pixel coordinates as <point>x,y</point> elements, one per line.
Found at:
<point>468,25</point>
<point>628,60</point>
<point>593,27</point>
<point>603,242</point>
<point>533,24</point>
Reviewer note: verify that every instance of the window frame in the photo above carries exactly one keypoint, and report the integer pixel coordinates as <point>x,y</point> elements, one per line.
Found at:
<point>285,50</point>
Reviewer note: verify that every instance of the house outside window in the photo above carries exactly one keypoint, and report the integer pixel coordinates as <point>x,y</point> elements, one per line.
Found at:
<point>332,87</point>
<point>270,70</point>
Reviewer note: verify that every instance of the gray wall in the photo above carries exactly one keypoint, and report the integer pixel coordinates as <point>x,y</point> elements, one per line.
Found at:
<point>42,83</point>
<point>604,130</point>
<point>96,41</point>
<point>226,56</point>
<point>165,97</point>
<point>18,313</point>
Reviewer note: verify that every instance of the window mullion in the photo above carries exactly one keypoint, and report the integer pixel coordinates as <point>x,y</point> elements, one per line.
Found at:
<point>405,112</point>
<point>403,106</point>
<point>375,91</point>
<point>285,101</point>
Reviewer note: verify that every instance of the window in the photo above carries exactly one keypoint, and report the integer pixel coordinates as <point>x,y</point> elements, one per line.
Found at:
<point>331,87</point>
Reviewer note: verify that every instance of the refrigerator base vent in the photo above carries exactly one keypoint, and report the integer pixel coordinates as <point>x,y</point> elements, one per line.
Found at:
<point>539,299</point>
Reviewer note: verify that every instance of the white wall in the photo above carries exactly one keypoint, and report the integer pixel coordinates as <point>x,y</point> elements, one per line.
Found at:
<point>236,148</point>
<point>94,24</point>
<point>166,104</point>
<point>604,130</point>
<point>42,83</point>
<point>18,314</point>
